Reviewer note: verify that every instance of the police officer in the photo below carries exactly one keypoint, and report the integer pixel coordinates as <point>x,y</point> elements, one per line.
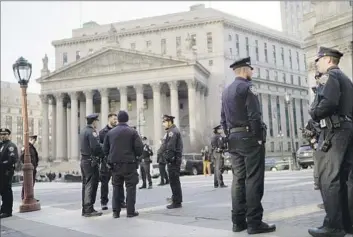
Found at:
<point>145,164</point>
<point>172,153</point>
<point>162,165</point>
<point>217,143</point>
<point>91,154</point>
<point>122,145</point>
<point>241,122</point>
<point>34,158</point>
<point>334,112</point>
<point>8,159</point>
<point>105,172</point>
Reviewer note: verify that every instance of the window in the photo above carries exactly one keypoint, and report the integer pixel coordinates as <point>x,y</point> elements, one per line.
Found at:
<point>287,119</point>
<point>231,51</point>
<point>278,107</point>
<point>133,46</point>
<point>302,113</point>
<point>295,118</point>
<point>31,125</point>
<point>298,63</point>
<point>209,42</point>
<point>163,46</point>
<point>178,45</point>
<point>299,81</point>
<point>78,55</point>
<point>229,37</point>
<point>64,58</point>
<point>291,79</point>
<point>282,55</point>
<point>267,74</point>
<point>258,72</point>
<point>272,146</point>
<point>305,61</point>
<point>296,146</point>
<point>289,146</point>
<point>284,78</point>
<point>210,63</point>
<point>290,59</point>
<point>148,44</point>
<point>19,135</point>
<point>193,40</point>
<point>276,76</point>
<point>270,117</point>
<point>351,3</point>
<point>257,50</point>
<point>247,46</point>
<point>265,51</point>
<point>237,44</point>
<point>274,54</point>
<point>90,51</point>
<point>8,122</point>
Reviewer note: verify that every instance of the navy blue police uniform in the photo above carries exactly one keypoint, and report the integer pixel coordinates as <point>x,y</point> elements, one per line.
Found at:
<point>172,153</point>
<point>122,145</point>
<point>162,165</point>
<point>218,147</point>
<point>8,159</point>
<point>241,122</point>
<point>334,112</point>
<point>105,174</point>
<point>91,154</point>
<point>145,165</point>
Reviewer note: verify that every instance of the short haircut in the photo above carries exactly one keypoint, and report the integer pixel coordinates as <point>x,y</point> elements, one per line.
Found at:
<point>335,60</point>
<point>111,115</point>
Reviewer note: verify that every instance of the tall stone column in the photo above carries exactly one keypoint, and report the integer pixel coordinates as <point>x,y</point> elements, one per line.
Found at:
<point>53,128</point>
<point>198,107</point>
<point>192,107</point>
<point>203,119</point>
<point>104,106</point>
<point>45,128</point>
<point>82,114</point>
<point>74,154</point>
<point>139,108</point>
<point>59,126</point>
<point>89,102</point>
<point>157,121</point>
<point>68,135</point>
<point>174,101</point>
<point>123,97</point>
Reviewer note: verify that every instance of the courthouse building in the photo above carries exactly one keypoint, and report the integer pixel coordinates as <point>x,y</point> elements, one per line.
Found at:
<point>11,114</point>
<point>176,64</point>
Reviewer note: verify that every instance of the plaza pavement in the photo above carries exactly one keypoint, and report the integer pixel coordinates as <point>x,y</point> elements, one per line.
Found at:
<point>289,201</point>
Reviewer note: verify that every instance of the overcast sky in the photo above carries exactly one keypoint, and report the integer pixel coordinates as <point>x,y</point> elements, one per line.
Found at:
<point>28,28</point>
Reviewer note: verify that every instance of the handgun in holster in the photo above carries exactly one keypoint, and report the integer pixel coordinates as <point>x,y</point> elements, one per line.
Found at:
<point>326,145</point>
<point>95,161</point>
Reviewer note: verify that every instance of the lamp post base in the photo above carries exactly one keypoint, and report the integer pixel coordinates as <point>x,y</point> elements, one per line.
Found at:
<point>29,205</point>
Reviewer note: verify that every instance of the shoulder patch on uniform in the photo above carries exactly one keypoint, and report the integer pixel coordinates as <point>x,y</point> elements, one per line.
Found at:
<point>170,134</point>
<point>253,89</point>
<point>323,79</point>
<point>95,134</point>
<point>11,148</point>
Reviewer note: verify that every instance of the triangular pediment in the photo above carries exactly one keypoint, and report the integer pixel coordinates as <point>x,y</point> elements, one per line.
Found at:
<point>113,60</point>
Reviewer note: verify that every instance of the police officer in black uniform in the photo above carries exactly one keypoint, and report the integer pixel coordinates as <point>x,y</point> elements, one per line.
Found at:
<point>91,155</point>
<point>122,145</point>
<point>334,112</point>
<point>172,153</point>
<point>8,159</point>
<point>105,172</point>
<point>162,165</point>
<point>34,158</point>
<point>145,165</point>
<point>218,146</point>
<point>241,122</point>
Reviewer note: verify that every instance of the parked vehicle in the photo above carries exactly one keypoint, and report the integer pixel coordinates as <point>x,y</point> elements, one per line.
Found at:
<point>276,163</point>
<point>305,156</point>
<point>192,164</point>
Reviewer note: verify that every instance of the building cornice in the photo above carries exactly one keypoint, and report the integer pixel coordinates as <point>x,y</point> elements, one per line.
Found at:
<point>281,84</point>
<point>333,23</point>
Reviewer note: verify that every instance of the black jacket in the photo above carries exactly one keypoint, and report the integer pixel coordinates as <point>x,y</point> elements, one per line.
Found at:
<point>33,153</point>
<point>122,144</point>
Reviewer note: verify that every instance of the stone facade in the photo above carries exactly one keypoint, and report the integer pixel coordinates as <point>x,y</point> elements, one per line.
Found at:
<point>11,114</point>
<point>176,64</point>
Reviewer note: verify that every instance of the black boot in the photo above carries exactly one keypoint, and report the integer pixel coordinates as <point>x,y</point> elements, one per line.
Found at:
<point>142,187</point>
<point>326,232</point>
<point>262,228</point>
<point>132,215</point>
<point>174,205</point>
<point>5,215</point>
<point>239,227</point>
<point>116,215</point>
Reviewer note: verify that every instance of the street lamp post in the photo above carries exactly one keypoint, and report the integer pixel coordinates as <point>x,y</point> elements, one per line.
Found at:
<point>22,70</point>
<point>294,157</point>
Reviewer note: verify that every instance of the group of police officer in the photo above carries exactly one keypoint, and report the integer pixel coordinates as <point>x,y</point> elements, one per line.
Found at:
<point>330,132</point>
<point>116,153</point>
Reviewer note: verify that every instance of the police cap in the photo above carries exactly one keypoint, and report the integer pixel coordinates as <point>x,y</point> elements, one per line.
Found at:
<point>323,51</point>
<point>93,117</point>
<point>33,137</point>
<point>144,138</point>
<point>244,62</point>
<point>217,127</point>
<point>5,131</point>
<point>166,117</point>
<point>318,75</point>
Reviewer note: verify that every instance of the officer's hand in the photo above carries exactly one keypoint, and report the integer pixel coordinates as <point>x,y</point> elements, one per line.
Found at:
<point>260,142</point>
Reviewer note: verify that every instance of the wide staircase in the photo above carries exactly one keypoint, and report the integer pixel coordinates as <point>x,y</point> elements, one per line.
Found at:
<point>61,166</point>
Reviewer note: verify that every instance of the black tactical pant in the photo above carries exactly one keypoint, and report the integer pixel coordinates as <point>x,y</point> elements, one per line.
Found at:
<point>6,191</point>
<point>145,172</point>
<point>215,180</point>
<point>104,176</point>
<point>34,181</point>
<point>124,173</point>
<point>318,155</point>
<point>218,168</point>
<point>174,179</point>
<point>335,177</point>
<point>90,181</point>
<point>163,173</point>
<point>248,167</point>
